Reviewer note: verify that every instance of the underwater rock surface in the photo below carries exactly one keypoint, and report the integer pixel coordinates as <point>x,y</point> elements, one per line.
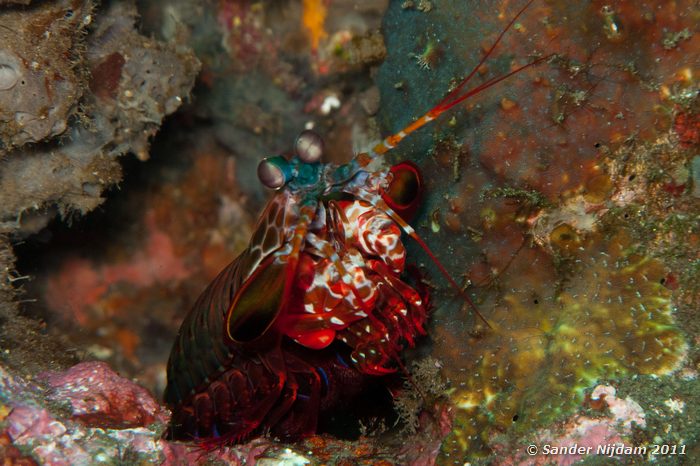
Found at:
<point>91,415</point>
<point>41,72</point>
<point>128,101</point>
<point>62,48</point>
<point>566,198</point>
<point>567,201</point>
<point>88,414</point>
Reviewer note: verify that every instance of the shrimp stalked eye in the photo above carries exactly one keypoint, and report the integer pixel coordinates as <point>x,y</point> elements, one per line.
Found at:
<point>405,189</point>
<point>274,172</point>
<point>309,146</point>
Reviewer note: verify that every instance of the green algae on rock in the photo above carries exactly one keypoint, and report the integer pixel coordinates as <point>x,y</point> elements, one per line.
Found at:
<point>539,162</point>
<point>607,316</point>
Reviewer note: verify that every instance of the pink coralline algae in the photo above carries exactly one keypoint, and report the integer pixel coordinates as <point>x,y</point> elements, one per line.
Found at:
<point>89,414</point>
<point>101,398</point>
<point>582,436</point>
<point>107,413</point>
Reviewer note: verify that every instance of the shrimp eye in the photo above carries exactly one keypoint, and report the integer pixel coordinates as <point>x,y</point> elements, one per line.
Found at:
<point>274,172</point>
<point>309,146</point>
<point>405,189</point>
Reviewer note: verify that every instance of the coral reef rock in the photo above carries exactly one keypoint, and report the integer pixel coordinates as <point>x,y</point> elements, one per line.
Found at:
<point>135,83</point>
<point>79,87</point>
<point>116,403</point>
<point>42,72</point>
<point>39,424</point>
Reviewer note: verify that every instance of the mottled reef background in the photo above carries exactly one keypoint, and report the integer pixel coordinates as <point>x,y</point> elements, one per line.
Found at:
<point>567,198</point>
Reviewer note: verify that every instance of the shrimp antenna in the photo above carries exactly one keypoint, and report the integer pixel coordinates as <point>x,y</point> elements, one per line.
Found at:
<point>453,98</point>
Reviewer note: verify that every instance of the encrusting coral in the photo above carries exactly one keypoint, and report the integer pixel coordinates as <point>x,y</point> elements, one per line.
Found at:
<point>604,315</point>
<point>554,194</point>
